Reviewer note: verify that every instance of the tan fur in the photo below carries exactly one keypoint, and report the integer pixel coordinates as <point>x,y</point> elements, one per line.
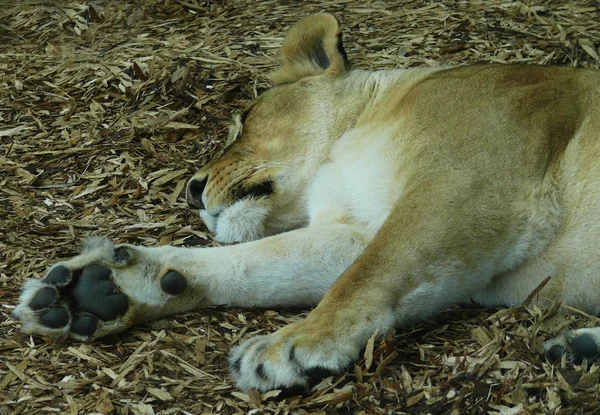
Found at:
<point>492,162</point>
<point>405,191</point>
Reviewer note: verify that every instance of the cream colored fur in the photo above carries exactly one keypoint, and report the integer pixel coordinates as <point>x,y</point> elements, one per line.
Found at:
<point>396,194</point>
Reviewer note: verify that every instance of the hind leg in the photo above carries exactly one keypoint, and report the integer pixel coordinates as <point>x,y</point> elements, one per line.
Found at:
<point>513,288</point>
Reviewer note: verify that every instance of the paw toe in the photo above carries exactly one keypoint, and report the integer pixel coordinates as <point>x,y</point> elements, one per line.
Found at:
<point>43,299</point>
<point>84,325</point>
<point>173,283</point>
<point>55,318</point>
<point>59,276</point>
<point>555,353</point>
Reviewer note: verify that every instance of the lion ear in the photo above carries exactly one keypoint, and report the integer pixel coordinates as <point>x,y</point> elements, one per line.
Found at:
<point>313,46</point>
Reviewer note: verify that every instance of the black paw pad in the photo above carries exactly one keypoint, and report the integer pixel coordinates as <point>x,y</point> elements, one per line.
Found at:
<point>43,298</point>
<point>584,346</point>
<point>173,283</point>
<point>55,318</point>
<point>59,275</point>
<point>555,353</point>
<point>84,325</point>
<point>95,293</point>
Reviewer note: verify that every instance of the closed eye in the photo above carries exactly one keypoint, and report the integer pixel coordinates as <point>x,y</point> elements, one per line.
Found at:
<point>257,190</point>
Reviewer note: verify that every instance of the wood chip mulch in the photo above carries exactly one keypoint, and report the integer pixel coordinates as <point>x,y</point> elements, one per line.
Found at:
<point>107,107</point>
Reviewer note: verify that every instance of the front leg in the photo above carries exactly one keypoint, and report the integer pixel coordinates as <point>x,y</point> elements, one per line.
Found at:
<point>107,288</point>
<point>420,262</point>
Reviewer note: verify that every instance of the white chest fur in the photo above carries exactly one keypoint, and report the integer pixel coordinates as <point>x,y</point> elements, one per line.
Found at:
<point>361,183</point>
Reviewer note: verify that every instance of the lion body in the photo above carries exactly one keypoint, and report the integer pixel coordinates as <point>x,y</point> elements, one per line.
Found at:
<point>383,197</point>
<point>510,145</point>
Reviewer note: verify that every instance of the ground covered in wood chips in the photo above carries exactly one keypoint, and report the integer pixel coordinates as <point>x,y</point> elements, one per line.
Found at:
<point>107,107</point>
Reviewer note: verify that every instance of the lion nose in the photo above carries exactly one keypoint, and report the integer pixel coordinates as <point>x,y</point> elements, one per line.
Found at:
<point>194,193</point>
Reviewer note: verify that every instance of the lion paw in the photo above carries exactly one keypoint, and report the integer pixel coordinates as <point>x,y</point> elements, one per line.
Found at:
<point>69,301</point>
<point>287,360</point>
<point>102,291</point>
<point>577,345</point>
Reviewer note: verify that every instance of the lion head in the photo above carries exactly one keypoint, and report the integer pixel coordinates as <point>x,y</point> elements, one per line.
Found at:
<point>257,186</point>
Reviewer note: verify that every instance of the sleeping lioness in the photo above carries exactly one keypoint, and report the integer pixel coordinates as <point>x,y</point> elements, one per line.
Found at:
<point>381,196</point>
